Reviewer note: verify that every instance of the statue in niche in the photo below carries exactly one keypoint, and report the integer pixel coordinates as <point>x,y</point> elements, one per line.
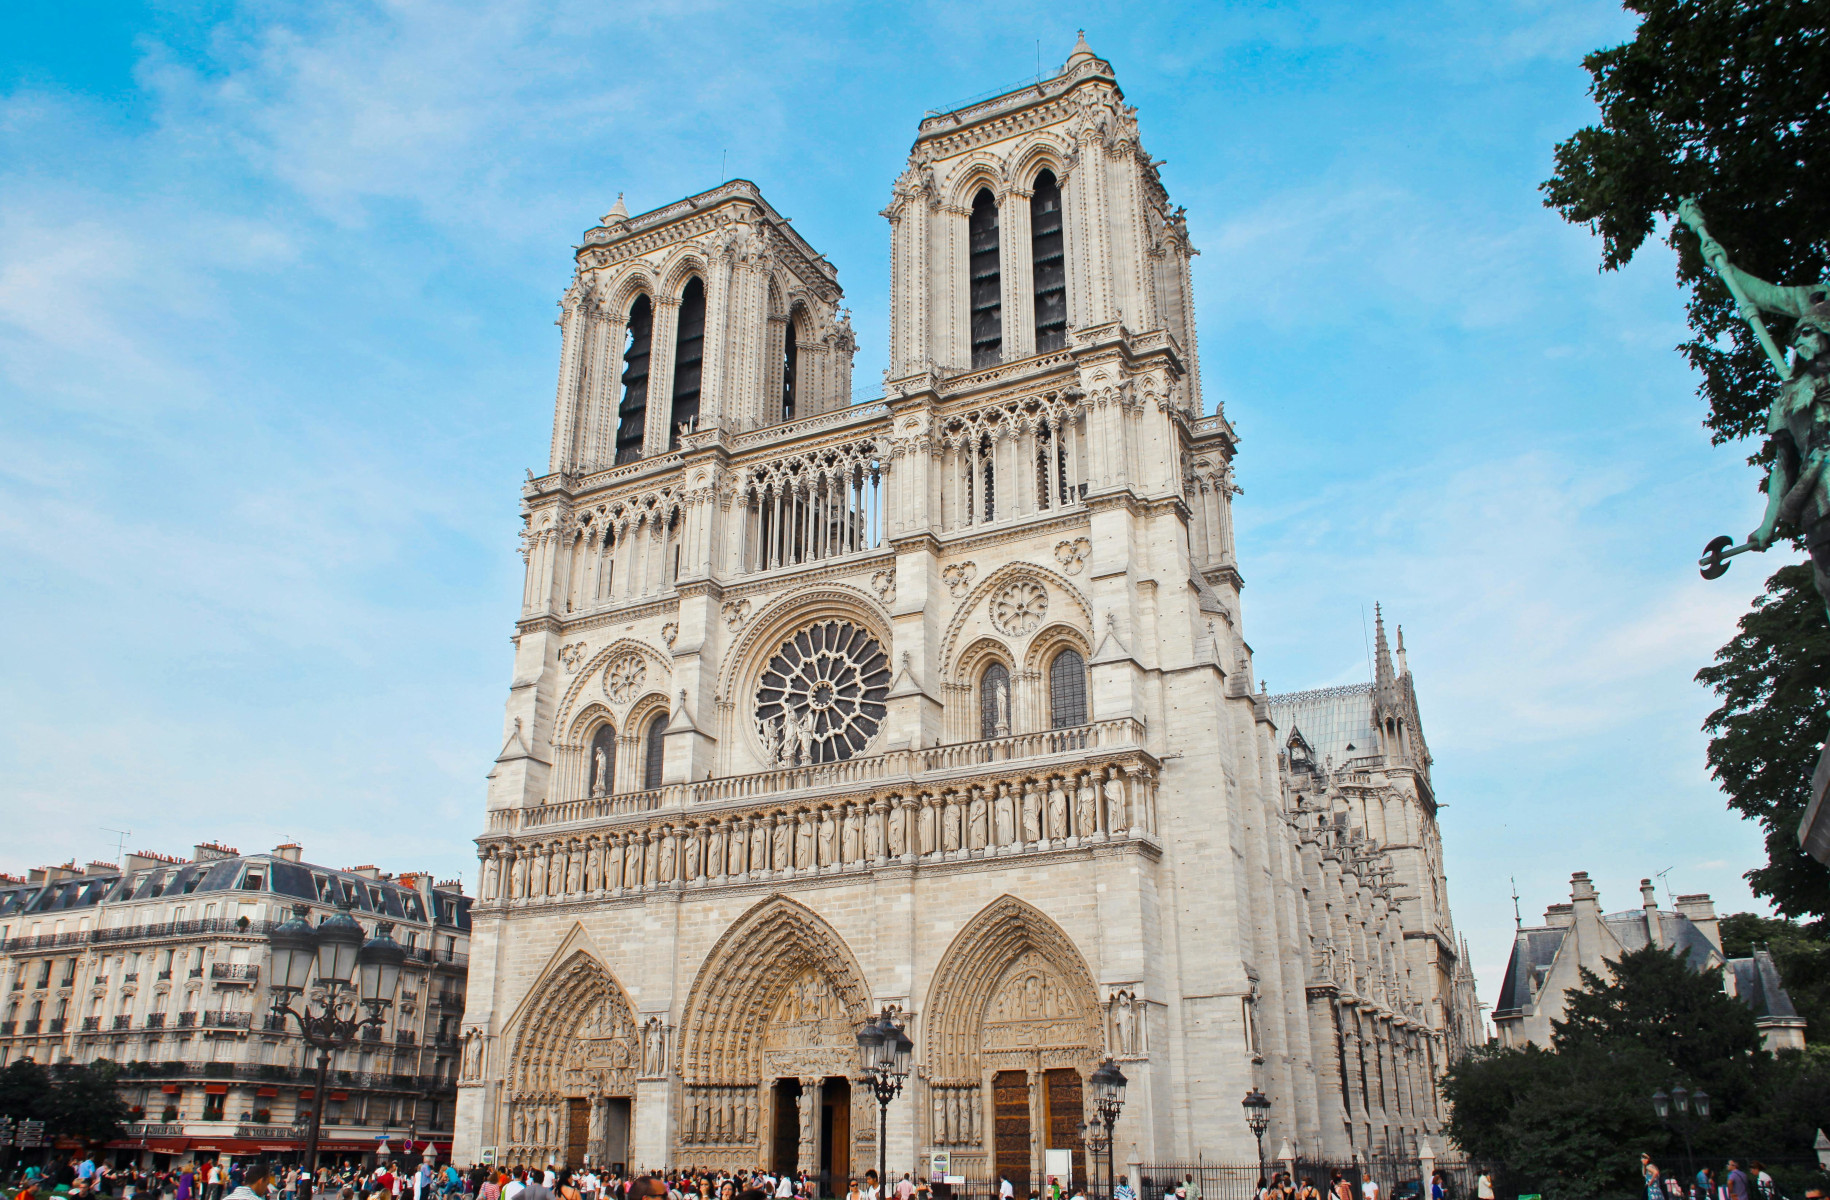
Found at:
<point>600,771</point>
<point>780,847</point>
<point>592,853</point>
<point>1087,806</point>
<point>1117,810</point>
<point>575,866</point>
<point>691,847</point>
<point>665,873</point>
<point>873,835</point>
<point>738,843</point>
<point>613,863</point>
<point>492,876</point>
<point>536,875</point>
<point>759,846</point>
<point>898,834</point>
<point>1006,816</point>
<point>803,841</point>
<point>1057,809</point>
<point>632,863</point>
<point>951,817</point>
<point>929,819</point>
<point>1000,699</point>
<point>977,820</point>
<point>1032,812</point>
<point>829,850</point>
<point>849,840</point>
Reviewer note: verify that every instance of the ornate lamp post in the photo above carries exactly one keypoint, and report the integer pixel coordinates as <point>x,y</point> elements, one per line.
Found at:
<point>885,1049</point>
<point>1108,1085</point>
<point>1676,1109</point>
<point>331,970</point>
<point>1257,1107</point>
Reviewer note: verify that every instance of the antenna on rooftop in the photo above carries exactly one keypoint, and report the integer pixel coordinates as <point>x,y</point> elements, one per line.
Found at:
<point>1660,876</point>
<point>1518,922</point>
<point>120,846</point>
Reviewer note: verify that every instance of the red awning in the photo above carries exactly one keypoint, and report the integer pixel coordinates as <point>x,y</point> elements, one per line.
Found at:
<point>215,1089</point>
<point>172,1089</point>
<point>339,1095</point>
<point>308,1093</point>
<point>160,1145</point>
<point>266,1091</point>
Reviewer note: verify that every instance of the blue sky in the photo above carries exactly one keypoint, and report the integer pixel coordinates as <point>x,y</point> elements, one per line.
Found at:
<point>277,284</point>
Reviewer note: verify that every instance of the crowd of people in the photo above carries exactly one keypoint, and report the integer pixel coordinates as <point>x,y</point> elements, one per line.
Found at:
<point>1736,1182</point>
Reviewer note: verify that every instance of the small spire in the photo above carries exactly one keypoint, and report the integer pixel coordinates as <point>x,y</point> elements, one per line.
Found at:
<point>1404,668</point>
<point>1382,653</point>
<point>1082,51</point>
<point>618,212</point>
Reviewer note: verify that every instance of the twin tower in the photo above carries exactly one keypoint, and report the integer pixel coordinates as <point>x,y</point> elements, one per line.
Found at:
<point>937,703</point>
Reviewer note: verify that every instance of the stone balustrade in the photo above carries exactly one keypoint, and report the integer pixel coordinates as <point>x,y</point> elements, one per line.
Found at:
<point>970,805</point>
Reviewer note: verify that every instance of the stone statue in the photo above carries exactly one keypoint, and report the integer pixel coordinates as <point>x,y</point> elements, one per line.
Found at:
<point>575,865</point>
<point>780,840</point>
<point>803,840</point>
<point>632,862</point>
<point>950,825</point>
<point>976,832</point>
<point>536,875</point>
<point>735,847</point>
<point>1117,813</point>
<point>759,845</point>
<point>665,872</point>
<point>692,855</point>
<point>492,875</point>
<point>1000,699</point>
<point>592,851</point>
<point>1032,813</point>
<point>600,771</point>
<point>613,863</point>
<point>898,835</point>
<point>1086,807</point>
<point>873,835</point>
<point>1798,424</point>
<point>849,841</point>
<point>1057,810</point>
<point>1006,816</point>
<point>929,838</point>
<point>829,851</point>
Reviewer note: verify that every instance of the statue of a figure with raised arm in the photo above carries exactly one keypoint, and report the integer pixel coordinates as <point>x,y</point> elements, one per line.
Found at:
<point>1798,424</point>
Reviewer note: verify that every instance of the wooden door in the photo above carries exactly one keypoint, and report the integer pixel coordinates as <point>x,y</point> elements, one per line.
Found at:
<point>1010,1127</point>
<point>578,1131</point>
<point>1066,1109</point>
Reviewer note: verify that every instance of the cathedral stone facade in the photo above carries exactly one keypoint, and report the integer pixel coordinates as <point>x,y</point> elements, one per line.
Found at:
<point>939,702</point>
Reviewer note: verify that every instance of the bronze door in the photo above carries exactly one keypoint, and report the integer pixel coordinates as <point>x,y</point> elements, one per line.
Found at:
<point>578,1131</point>
<point>1010,1125</point>
<point>1066,1109</point>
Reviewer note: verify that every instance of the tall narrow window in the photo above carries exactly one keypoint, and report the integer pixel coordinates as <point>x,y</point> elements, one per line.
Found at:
<point>603,761</point>
<point>994,702</point>
<point>987,282</point>
<point>1067,690</point>
<point>689,351</point>
<point>1050,263</point>
<point>632,413</point>
<point>791,355</point>
<point>654,751</point>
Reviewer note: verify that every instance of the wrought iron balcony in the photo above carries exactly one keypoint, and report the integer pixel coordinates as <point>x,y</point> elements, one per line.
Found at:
<point>155,1020</point>
<point>186,1019</point>
<point>124,1021</point>
<point>234,972</point>
<point>57,1025</point>
<point>226,1019</point>
<point>91,1023</point>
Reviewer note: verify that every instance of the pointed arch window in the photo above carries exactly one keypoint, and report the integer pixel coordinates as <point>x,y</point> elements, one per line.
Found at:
<point>654,751</point>
<point>603,761</point>
<point>632,413</point>
<point>791,362</point>
<point>1067,690</point>
<point>689,353</point>
<point>994,702</point>
<point>987,290</point>
<point>1049,260</point>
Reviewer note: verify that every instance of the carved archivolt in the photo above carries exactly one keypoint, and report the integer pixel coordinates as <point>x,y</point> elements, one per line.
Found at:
<point>1012,980</point>
<point>1078,611</point>
<point>576,1037</point>
<point>745,981</point>
<point>621,656</point>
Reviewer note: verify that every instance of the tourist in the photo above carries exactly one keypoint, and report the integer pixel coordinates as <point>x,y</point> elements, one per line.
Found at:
<point>253,1184</point>
<point>1369,1188</point>
<point>1763,1183</point>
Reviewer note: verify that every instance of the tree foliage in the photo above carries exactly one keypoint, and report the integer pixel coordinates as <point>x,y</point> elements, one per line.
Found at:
<point>1728,101</point>
<point>1570,1120</point>
<point>75,1101</point>
<point>1773,679</point>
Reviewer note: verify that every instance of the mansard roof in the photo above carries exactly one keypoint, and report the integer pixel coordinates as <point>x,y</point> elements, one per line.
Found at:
<point>1335,722</point>
<point>1755,982</point>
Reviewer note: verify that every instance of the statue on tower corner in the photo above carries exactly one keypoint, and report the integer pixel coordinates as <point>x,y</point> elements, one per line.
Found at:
<point>1798,423</point>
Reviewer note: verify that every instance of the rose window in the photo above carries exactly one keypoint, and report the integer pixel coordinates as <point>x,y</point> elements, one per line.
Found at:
<point>1020,607</point>
<point>821,696</point>
<point>623,676</point>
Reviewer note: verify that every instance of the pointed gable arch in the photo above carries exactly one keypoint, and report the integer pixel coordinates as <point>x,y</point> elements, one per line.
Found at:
<point>743,979</point>
<point>1009,945</point>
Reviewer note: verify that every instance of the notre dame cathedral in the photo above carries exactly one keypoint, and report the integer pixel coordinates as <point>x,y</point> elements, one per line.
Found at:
<point>940,702</point>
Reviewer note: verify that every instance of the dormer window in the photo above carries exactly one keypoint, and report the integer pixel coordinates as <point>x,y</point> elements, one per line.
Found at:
<point>987,282</point>
<point>1049,261</point>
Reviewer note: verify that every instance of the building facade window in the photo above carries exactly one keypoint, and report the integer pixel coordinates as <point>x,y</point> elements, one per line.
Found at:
<point>791,361</point>
<point>655,751</point>
<point>1067,690</point>
<point>987,281</point>
<point>689,353</point>
<point>994,702</point>
<point>632,413</point>
<point>1049,263</point>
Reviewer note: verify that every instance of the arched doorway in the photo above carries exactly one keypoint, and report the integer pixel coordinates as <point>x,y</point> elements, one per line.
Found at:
<point>768,1046</point>
<point>1012,1031</point>
<point>571,1080</point>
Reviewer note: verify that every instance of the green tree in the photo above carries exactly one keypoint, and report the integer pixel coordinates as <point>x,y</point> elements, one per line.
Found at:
<point>85,1102</point>
<point>1773,679</point>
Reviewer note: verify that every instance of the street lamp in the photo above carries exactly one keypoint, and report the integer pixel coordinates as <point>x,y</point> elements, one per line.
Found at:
<point>1257,1107</point>
<point>885,1049</point>
<point>331,969</point>
<point>1677,1109</point>
<point>1108,1084</point>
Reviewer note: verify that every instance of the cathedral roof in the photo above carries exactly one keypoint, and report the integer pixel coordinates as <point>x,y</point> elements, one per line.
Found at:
<point>1336,722</point>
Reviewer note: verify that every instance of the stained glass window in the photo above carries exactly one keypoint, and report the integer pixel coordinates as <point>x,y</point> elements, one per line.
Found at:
<point>1067,690</point>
